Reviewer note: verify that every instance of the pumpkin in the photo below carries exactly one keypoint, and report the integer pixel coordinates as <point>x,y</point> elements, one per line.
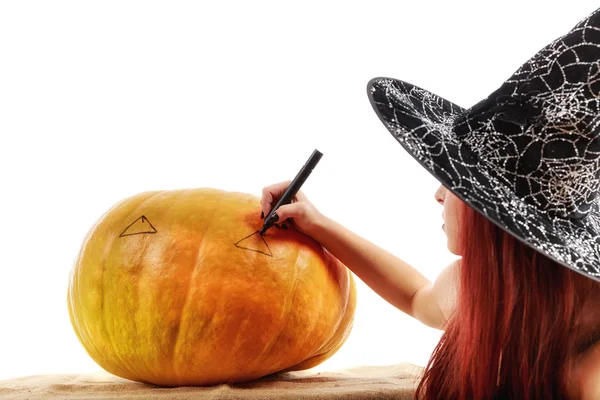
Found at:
<point>178,288</point>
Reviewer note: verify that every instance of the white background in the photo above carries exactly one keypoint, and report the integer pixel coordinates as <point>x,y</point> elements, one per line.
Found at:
<point>102,100</point>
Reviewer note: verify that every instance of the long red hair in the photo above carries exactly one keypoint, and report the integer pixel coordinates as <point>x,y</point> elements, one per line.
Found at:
<point>516,327</point>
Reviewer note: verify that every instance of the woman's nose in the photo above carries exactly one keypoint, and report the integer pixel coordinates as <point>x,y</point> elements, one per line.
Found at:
<point>439,194</point>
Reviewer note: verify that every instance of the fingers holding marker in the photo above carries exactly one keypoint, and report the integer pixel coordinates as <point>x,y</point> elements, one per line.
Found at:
<point>300,208</point>
<point>301,214</point>
<point>286,192</point>
<point>270,195</point>
<point>300,211</point>
<point>289,211</point>
<point>275,217</point>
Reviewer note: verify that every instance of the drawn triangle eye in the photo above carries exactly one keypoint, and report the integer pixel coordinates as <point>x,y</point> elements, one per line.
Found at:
<point>255,242</point>
<point>138,227</point>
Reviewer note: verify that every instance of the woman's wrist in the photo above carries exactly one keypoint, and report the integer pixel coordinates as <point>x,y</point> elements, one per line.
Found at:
<point>321,228</point>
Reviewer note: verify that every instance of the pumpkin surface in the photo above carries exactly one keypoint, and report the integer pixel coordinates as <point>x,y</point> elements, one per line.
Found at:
<point>178,288</point>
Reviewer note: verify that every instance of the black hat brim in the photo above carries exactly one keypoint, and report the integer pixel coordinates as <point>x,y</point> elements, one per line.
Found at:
<point>422,123</point>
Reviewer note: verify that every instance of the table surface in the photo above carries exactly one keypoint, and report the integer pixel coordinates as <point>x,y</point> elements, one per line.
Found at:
<point>396,381</point>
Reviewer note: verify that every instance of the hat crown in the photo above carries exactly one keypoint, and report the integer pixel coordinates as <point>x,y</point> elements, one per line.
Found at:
<point>541,129</point>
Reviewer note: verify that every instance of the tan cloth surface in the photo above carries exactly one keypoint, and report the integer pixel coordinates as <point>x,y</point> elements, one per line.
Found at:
<point>371,382</point>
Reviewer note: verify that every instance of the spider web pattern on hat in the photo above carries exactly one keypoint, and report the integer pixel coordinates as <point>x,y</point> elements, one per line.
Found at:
<point>528,156</point>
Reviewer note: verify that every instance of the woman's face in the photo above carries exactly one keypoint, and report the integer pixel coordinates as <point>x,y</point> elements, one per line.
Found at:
<point>450,216</point>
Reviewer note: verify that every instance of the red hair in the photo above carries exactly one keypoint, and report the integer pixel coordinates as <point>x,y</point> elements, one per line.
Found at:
<point>515,302</point>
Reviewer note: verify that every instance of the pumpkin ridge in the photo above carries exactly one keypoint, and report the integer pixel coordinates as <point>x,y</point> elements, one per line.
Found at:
<point>140,268</point>
<point>286,313</point>
<point>327,342</point>
<point>308,333</point>
<point>136,299</point>
<point>332,347</point>
<point>248,317</point>
<point>122,365</point>
<point>75,321</point>
<point>74,285</point>
<point>164,216</point>
<point>187,298</point>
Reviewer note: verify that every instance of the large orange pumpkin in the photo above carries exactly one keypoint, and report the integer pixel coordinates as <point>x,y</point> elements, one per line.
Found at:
<point>178,288</point>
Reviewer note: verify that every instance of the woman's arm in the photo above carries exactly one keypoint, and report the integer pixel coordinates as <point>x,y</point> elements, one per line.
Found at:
<point>392,278</point>
<point>435,302</point>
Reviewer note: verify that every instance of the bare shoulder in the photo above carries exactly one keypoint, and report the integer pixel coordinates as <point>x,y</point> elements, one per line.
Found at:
<point>433,304</point>
<point>445,288</point>
<point>584,382</point>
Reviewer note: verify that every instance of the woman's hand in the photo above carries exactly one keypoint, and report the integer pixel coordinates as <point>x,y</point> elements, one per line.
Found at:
<point>300,211</point>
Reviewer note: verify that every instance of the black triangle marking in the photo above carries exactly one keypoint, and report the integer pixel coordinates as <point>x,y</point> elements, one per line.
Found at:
<point>139,228</point>
<point>270,254</point>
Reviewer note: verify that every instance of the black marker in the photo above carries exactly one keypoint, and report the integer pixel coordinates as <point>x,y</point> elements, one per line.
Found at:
<point>294,187</point>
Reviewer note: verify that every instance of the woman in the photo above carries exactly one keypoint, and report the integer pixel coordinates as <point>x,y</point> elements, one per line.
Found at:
<point>520,175</point>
